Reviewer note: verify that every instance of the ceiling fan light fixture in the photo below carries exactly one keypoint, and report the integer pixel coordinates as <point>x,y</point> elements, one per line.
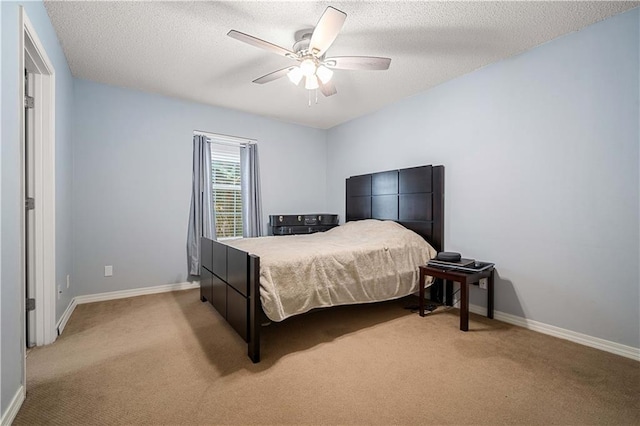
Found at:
<point>308,67</point>
<point>311,82</point>
<point>324,74</point>
<point>295,75</point>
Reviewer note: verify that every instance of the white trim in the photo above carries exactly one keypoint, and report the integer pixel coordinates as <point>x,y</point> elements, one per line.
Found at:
<point>62,323</point>
<point>44,147</point>
<point>222,139</point>
<point>551,330</point>
<point>23,279</point>
<point>13,408</point>
<point>112,295</point>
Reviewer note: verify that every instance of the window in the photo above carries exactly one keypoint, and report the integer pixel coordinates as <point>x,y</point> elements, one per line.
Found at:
<point>225,185</point>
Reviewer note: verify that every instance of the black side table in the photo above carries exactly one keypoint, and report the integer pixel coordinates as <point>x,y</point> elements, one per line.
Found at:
<point>464,278</point>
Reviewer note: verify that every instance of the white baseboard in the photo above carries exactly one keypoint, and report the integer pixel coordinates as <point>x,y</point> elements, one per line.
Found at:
<point>583,339</point>
<point>112,295</point>
<point>66,315</point>
<point>12,411</point>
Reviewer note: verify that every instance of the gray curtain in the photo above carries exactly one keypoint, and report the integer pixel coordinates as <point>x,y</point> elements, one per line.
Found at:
<point>250,188</point>
<point>201,217</point>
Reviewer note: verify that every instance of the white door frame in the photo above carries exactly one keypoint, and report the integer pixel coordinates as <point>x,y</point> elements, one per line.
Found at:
<point>34,57</point>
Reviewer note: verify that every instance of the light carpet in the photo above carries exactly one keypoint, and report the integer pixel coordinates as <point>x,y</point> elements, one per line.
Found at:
<point>170,359</point>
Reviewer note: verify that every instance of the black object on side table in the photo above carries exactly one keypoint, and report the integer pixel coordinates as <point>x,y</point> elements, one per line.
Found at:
<point>464,276</point>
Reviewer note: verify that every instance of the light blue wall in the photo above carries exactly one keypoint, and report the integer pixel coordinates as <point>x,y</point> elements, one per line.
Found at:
<point>132,180</point>
<point>11,357</point>
<point>12,204</point>
<point>541,163</point>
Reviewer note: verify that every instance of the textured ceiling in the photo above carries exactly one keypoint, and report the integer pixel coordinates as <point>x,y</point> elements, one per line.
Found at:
<point>181,49</point>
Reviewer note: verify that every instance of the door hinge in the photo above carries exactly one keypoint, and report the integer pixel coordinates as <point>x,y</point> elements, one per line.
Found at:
<point>30,203</point>
<point>31,304</point>
<point>28,101</point>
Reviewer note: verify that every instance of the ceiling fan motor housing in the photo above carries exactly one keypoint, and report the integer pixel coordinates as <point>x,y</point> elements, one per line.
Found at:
<point>303,38</point>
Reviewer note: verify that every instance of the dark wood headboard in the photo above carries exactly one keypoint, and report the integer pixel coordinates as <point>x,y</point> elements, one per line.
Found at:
<point>413,197</point>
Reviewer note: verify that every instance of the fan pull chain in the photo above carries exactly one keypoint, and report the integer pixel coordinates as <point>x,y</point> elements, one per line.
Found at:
<point>309,92</point>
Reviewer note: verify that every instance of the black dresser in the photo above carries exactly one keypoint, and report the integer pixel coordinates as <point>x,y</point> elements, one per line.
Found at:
<point>301,223</point>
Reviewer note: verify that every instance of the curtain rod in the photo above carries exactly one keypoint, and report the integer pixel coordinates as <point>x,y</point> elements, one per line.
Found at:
<point>233,140</point>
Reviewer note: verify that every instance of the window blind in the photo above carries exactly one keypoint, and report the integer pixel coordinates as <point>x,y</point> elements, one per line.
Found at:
<point>227,200</point>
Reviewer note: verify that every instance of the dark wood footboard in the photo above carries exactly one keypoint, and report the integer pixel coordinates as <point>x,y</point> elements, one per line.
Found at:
<point>230,281</point>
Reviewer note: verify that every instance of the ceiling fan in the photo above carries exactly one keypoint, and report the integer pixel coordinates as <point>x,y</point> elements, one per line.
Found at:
<point>309,50</point>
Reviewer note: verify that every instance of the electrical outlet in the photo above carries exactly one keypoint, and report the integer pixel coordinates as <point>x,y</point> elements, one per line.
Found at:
<point>59,291</point>
<point>67,280</point>
<point>108,271</point>
<point>484,282</point>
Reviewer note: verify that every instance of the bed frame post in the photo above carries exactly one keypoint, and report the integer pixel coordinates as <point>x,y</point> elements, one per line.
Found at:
<point>438,207</point>
<point>437,178</point>
<point>255,308</point>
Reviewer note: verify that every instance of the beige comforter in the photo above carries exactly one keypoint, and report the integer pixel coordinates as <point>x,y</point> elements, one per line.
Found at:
<point>358,262</point>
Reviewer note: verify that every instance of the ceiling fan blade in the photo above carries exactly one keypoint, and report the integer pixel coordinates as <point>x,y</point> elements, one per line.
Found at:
<point>254,41</point>
<point>272,76</point>
<point>357,63</point>
<point>326,31</point>
<point>328,88</point>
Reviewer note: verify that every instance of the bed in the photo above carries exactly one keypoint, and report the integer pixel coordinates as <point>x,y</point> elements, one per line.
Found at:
<point>389,216</point>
